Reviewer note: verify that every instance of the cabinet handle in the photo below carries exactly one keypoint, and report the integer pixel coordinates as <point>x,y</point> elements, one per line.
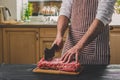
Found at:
<point>37,36</point>
<point>111,27</point>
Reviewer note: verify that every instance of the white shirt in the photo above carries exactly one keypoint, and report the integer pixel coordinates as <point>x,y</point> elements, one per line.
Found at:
<point>104,11</point>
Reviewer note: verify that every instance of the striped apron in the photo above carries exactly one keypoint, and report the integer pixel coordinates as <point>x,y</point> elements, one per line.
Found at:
<point>83,14</point>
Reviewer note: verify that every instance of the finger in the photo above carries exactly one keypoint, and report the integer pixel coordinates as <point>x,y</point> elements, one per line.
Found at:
<point>63,56</point>
<point>61,45</point>
<point>77,57</point>
<point>69,58</point>
<point>66,57</point>
<point>52,44</point>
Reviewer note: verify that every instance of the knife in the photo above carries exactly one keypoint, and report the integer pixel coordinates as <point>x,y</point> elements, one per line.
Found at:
<point>50,53</point>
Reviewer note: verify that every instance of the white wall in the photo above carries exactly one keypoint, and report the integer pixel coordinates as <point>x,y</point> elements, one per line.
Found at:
<point>115,19</point>
<point>15,7</point>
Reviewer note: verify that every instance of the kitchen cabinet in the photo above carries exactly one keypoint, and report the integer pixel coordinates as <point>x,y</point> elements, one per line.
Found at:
<point>47,36</point>
<point>1,44</point>
<point>115,45</point>
<point>21,45</point>
<point>25,44</point>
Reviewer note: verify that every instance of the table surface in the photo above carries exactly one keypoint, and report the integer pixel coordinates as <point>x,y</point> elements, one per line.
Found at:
<point>90,72</point>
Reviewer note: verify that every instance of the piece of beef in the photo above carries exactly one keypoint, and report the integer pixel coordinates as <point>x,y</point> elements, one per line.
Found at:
<point>56,64</point>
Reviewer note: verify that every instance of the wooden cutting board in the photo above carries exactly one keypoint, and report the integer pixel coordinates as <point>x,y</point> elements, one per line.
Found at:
<point>38,70</point>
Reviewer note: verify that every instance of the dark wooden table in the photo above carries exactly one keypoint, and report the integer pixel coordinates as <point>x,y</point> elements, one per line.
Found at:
<point>90,72</point>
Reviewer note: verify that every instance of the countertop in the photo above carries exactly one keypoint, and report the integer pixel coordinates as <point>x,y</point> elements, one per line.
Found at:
<point>39,24</point>
<point>27,25</point>
<point>90,72</point>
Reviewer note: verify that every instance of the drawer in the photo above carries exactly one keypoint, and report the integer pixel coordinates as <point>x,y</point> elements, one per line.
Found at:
<point>48,32</point>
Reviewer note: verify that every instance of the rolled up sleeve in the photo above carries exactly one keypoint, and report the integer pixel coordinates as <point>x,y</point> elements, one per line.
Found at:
<point>105,11</point>
<point>66,8</point>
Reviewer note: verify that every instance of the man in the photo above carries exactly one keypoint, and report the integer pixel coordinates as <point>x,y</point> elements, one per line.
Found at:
<point>88,38</point>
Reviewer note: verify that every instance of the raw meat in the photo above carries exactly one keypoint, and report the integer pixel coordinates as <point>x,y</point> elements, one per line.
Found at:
<point>56,64</point>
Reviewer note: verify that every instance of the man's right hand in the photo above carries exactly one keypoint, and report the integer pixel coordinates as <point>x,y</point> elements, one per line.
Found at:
<point>59,42</point>
<point>61,28</point>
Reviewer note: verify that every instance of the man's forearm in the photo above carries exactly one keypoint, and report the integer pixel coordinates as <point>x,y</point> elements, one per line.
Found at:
<point>93,31</point>
<point>62,25</point>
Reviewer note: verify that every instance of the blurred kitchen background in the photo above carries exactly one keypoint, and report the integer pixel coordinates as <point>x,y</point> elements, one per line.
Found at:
<point>44,11</point>
<point>33,10</point>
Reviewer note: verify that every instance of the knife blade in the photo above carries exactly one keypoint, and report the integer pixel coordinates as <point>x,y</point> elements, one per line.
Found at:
<point>50,53</point>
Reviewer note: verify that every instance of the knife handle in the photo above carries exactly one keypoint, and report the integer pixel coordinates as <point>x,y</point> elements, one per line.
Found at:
<point>55,47</point>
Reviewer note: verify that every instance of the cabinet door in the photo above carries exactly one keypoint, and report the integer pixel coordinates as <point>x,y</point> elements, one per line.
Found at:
<point>49,32</point>
<point>1,45</point>
<point>115,45</point>
<point>21,45</point>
